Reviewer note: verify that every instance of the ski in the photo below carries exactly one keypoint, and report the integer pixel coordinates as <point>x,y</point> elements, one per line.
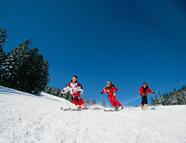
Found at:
<point>71,109</point>
<point>150,108</point>
<point>91,109</point>
<point>66,109</point>
<point>112,110</point>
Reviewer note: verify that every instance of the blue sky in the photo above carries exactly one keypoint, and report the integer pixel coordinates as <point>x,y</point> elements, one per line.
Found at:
<point>127,42</point>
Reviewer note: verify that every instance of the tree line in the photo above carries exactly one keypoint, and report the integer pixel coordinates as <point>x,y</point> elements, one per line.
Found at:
<point>176,97</point>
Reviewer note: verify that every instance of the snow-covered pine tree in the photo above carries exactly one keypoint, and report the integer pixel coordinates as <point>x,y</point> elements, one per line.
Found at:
<point>11,65</point>
<point>26,69</point>
<point>3,36</point>
<point>33,71</point>
<point>48,90</point>
<point>177,97</point>
<point>2,55</point>
<point>53,91</point>
<point>34,75</point>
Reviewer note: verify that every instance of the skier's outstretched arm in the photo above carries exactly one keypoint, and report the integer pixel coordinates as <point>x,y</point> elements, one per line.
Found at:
<point>65,89</point>
<point>103,91</point>
<point>115,89</point>
<point>151,91</point>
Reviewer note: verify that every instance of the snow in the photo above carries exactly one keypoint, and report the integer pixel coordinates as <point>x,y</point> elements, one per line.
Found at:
<point>26,118</point>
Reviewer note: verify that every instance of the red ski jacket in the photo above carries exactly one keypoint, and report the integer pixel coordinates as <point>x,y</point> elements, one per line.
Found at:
<point>110,91</point>
<point>144,91</point>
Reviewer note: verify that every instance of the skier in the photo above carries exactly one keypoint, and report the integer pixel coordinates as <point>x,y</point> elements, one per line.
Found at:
<point>110,89</point>
<point>75,89</point>
<point>144,90</point>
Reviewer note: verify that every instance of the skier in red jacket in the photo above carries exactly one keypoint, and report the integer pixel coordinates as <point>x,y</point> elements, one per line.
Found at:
<point>110,89</point>
<point>144,90</point>
<point>75,89</point>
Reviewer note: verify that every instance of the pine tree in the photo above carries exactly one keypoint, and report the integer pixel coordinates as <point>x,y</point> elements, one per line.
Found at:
<point>36,72</point>
<point>2,55</point>
<point>3,36</point>
<point>25,69</point>
<point>32,75</point>
<point>12,63</point>
<point>48,89</point>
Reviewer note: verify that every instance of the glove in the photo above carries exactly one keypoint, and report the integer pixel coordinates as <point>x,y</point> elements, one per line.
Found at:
<point>63,91</point>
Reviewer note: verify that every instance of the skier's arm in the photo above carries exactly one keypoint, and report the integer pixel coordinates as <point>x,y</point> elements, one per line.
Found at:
<point>150,91</point>
<point>103,91</point>
<point>65,89</point>
<point>115,89</point>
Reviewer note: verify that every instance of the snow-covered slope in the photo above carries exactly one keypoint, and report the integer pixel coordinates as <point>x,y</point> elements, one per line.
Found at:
<point>25,118</point>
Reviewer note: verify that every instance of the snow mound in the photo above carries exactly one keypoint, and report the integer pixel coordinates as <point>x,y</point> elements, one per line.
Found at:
<point>26,118</point>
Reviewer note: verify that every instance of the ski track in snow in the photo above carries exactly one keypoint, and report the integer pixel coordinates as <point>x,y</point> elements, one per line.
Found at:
<point>31,119</point>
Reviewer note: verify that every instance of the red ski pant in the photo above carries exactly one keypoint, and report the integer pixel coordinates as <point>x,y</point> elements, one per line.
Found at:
<point>78,101</point>
<point>115,103</point>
